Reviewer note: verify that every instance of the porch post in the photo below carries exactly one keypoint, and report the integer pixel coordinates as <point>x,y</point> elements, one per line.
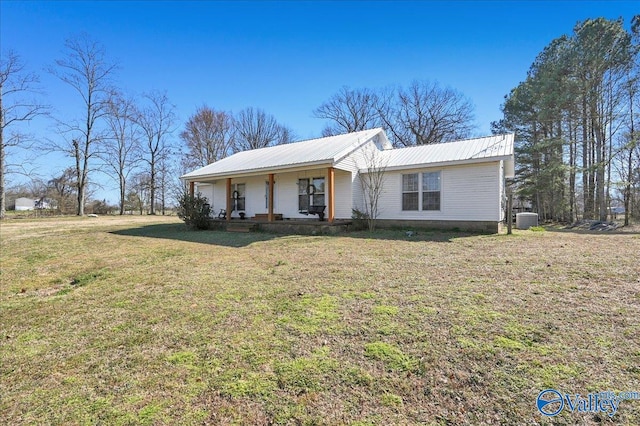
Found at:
<point>228,199</point>
<point>331,194</point>
<point>192,188</point>
<point>270,211</point>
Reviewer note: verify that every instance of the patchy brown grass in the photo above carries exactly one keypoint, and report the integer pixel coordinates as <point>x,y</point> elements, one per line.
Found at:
<point>137,320</point>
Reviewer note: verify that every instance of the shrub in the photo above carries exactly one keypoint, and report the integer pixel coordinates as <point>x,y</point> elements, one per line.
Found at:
<point>194,210</point>
<point>359,219</point>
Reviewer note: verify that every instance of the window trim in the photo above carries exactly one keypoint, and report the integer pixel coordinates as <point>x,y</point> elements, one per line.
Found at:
<point>439,191</point>
<point>420,191</point>
<point>310,196</point>
<point>417,191</point>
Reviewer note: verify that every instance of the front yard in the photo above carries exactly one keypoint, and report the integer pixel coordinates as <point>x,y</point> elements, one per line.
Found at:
<point>137,320</point>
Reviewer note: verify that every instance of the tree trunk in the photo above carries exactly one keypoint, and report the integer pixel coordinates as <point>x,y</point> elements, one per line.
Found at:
<point>3,200</point>
<point>627,188</point>
<point>587,213</point>
<point>572,173</point>
<point>122,193</point>
<point>152,190</point>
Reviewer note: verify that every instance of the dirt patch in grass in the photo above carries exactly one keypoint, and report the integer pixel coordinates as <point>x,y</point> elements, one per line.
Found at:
<point>138,320</point>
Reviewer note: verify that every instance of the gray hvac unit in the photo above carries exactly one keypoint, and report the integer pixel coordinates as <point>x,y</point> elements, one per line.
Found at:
<point>526,220</point>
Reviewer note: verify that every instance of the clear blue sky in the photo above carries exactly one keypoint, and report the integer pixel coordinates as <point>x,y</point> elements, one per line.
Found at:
<point>288,57</point>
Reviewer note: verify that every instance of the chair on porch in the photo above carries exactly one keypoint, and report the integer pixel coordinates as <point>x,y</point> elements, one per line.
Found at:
<point>319,210</point>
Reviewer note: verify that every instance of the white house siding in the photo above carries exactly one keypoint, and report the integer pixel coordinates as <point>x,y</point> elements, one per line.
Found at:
<point>352,163</point>
<point>343,194</point>
<point>468,193</point>
<point>205,190</point>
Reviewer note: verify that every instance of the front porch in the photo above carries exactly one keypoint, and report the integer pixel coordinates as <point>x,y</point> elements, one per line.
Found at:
<point>320,194</point>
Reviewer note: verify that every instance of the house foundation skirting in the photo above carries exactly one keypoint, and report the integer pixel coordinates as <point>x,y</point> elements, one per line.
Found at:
<point>301,227</point>
<point>462,225</point>
<point>316,227</point>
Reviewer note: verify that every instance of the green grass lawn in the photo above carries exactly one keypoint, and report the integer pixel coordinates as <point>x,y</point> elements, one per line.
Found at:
<point>138,320</point>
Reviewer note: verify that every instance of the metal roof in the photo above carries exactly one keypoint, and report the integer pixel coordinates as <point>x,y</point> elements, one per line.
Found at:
<point>326,150</point>
<point>498,147</point>
<point>330,150</point>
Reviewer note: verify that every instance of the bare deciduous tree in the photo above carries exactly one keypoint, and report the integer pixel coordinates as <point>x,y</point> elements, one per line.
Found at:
<point>121,152</point>
<point>14,108</point>
<point>62,188</point>
<point>350,110</point>
<point>427,113</point>
<point>257,129</point>
<point>371,176</point>
<point>156,122</point>
<point>86,71</point>
<point>209,137</point>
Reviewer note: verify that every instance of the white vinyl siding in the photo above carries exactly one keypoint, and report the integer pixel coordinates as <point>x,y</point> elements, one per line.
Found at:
<point>343,194</point>
<point>468,192</point>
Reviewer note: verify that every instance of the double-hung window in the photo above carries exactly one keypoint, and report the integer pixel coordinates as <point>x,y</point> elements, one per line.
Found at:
<point>421,191</point>
<point>431,191</point>
<point>410,192</point>
<point>311,192</point>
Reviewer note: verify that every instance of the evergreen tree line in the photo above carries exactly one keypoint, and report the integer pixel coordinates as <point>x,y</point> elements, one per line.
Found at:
<point>575,117</point>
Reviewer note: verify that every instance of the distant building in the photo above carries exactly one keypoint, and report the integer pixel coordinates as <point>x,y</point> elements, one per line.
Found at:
<point>24,204</point>
<point>46,204</point>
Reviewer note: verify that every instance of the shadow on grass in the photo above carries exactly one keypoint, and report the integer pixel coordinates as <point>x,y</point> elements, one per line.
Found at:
<point>180,232</point>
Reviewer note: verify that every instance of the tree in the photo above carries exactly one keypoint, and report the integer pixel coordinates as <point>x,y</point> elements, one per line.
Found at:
<point>208,136</point>
<point>121,151</point>
<point>257,129</point>
<point>14,109</point>
<point>427,113</point>
<point>350,110</point>
<point>371,177</point>
<point>567,115</point>
<point>86,71</point>
<point>141,190</point>
<point>62,189</point>
<point>631,143</point>
<point>156,121</point>
<point>601,54</point>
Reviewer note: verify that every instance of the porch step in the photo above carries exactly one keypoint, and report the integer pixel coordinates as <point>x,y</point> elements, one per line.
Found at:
<point>241,227</point>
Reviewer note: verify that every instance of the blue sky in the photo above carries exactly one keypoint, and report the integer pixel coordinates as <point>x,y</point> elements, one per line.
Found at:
<point>288,57</point>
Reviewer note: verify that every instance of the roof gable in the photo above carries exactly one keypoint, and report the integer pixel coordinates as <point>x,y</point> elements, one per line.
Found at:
<point>326,150</point>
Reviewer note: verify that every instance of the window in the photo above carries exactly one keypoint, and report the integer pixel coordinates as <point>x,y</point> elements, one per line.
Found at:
<point>317,198</point>
<point>425,199</point>
<point>238,196</point>
<point>410,192</point>
<point>310,193</point>
<point>431,191</point>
